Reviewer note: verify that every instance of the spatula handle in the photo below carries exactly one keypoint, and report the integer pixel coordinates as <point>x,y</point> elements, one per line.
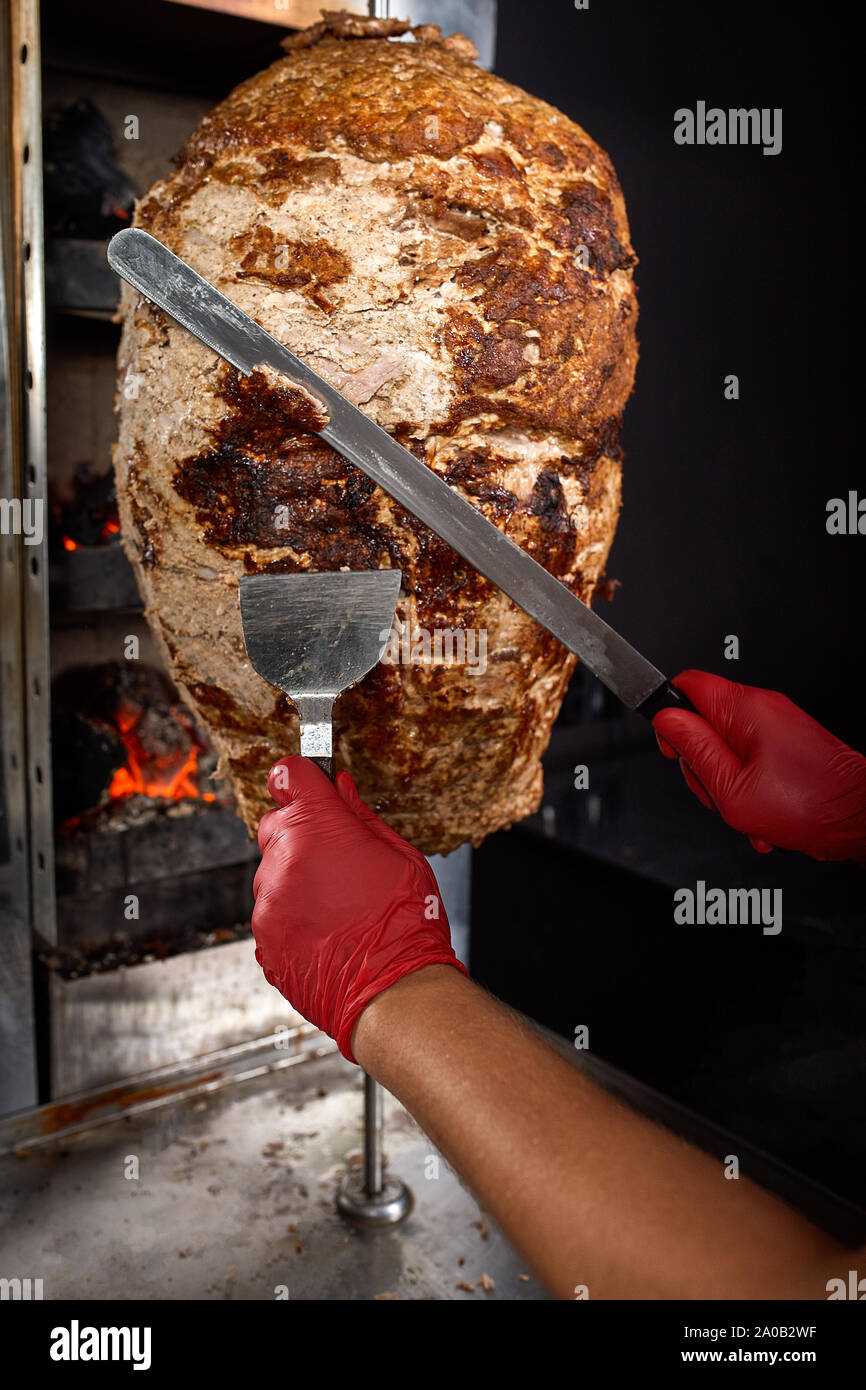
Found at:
<point>326,764</point>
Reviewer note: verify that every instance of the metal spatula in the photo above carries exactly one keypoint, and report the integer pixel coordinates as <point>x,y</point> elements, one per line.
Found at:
<point>313,635</point>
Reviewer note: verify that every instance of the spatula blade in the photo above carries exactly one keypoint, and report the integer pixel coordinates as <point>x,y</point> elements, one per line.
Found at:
<point>317,633</point>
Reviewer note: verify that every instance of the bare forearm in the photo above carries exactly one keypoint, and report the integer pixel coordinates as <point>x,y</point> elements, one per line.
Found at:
<point>592,1194</point>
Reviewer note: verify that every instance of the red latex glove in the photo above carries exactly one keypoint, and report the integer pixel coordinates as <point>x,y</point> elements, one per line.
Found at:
<point>344,906</point>
<point>767,767</point>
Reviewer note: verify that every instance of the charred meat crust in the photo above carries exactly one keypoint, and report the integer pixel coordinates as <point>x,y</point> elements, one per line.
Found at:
<point>309,266</point>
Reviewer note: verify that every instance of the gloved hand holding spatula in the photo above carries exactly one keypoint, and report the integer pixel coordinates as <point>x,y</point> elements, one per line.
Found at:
<point>344,906</point>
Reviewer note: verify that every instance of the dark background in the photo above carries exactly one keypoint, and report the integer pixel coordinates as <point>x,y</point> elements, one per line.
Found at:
<point>744,268</point>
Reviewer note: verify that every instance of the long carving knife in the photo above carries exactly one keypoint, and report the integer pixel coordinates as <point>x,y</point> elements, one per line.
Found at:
<point>174,286</point>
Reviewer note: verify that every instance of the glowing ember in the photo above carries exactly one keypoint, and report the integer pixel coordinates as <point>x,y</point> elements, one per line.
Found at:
<point>172,775</point>
<point>110,529</point>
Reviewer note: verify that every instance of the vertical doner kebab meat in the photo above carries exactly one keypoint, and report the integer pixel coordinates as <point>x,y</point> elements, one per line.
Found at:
<point>453,255</point>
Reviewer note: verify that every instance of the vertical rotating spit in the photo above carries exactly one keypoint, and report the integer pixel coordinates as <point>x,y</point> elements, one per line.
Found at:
<point>370,1197</point>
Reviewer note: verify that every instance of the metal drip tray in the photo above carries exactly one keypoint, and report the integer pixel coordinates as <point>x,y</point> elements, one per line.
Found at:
<point>235,1198</point>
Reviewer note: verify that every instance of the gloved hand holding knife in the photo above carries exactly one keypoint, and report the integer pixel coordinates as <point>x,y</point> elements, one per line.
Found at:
<point>769,769</point>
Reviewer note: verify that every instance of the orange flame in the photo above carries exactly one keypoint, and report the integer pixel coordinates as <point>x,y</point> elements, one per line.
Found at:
<point>172,776</point>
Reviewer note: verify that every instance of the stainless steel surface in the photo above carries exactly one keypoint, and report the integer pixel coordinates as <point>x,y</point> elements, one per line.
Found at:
<point>162,277</point>
<point>230,1194</point>
<point>142,1093</point>
<point>142,1018</point>
<point>27,148</point>
<point>17,1044</point>
<point>454,876</point>
<point>313,635</point>
<point>474,18</point>
<point>315,714</point>
<point>25,823</point>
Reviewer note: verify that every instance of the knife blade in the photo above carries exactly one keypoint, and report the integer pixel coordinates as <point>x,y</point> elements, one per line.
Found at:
<point>172,284</point>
